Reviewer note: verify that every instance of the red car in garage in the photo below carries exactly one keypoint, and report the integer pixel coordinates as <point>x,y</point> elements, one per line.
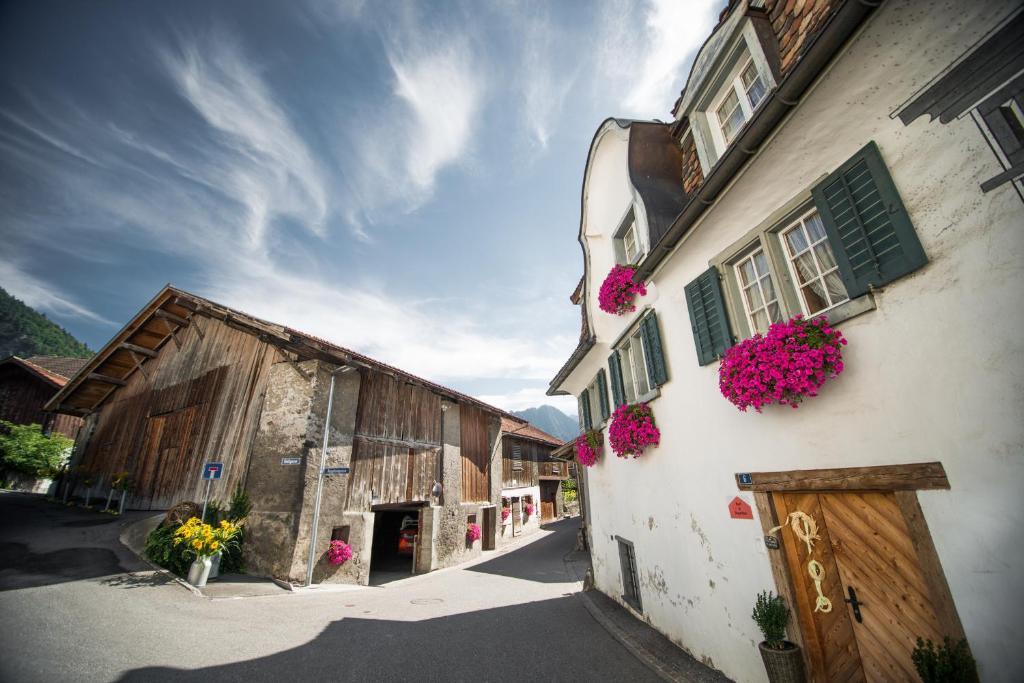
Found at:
<point>407,535</point>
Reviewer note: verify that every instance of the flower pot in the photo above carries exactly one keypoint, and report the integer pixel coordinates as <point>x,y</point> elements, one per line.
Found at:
<point>783,666</point>
<point>215,565</point>
<point>199,572</point>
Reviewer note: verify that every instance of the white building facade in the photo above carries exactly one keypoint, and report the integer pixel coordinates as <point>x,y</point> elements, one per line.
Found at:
<point>868,174</point>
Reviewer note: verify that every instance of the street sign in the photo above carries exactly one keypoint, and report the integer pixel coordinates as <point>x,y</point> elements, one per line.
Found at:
<point>746,479</point>
<point>740,509</point>
<point>328,471</point>
<point>291,461</point>
<point>213,470</point>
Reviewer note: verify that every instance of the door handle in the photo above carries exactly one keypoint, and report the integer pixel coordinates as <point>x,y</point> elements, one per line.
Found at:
<point>855,604</point>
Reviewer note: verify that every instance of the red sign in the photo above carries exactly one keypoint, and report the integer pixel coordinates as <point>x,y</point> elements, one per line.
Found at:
<point>740,509</point>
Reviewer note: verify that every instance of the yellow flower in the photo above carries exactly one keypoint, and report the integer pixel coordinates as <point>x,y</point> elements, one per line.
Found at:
<point>214,545</point>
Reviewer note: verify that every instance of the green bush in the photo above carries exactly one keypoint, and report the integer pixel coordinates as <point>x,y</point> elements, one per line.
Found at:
<point>771,615</point>
<point>25,449</point>
<point>160,549</point>
<point>948,664</point>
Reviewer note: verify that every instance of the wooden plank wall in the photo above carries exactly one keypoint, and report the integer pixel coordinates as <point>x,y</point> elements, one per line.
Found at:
<point>536,463</point>
<point>199,403</point>
<point>397,449</point>
<point>22,396</point>
<point>476,454</point>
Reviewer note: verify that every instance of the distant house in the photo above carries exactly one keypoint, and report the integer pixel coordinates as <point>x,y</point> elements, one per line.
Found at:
<point>530,478</point>
<point>26,384</point>
<point>189,381</point>
<point>862,162</point>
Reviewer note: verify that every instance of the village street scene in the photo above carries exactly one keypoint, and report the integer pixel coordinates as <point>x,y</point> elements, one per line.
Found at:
<point>626,340</point>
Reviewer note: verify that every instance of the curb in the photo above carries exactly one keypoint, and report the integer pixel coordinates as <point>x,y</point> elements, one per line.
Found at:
<point>127,536</point>
<point>635,649</point>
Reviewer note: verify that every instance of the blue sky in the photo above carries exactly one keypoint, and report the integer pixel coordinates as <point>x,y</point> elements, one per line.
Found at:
<point>401,178</point>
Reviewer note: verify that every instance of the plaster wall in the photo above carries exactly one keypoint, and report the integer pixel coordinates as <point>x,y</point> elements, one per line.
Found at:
<point>522,526</point>
<point>933,373</point>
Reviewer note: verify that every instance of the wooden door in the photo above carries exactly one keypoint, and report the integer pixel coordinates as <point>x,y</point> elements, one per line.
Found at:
<point>490,516</point>
<point>864,544</point>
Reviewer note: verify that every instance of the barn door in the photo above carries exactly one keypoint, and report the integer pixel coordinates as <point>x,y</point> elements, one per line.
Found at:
<point>867,552</point>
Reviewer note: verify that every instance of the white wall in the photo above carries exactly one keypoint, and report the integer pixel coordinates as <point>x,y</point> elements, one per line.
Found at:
<point>934,373</point>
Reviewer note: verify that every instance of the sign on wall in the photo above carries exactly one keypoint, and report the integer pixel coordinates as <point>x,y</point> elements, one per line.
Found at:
<point>740,509</point>
<point>213,470</point>
<point>291,461</point>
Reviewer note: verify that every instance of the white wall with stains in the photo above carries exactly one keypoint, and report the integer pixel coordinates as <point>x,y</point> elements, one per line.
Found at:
<point>935,372</point>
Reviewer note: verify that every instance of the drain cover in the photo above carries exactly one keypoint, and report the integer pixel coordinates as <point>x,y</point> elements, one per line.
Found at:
<point>426,601</point>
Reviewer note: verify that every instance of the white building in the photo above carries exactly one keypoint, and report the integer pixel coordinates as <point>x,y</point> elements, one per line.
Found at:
<point>911,460</point>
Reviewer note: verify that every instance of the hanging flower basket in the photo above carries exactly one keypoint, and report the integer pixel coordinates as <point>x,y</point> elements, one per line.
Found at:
<point>589,447</point>
<point>339,553</point>
<point>618,291</point>
<point>789,363</point>
<point>633,430</point>
<point>505,513</point>
<point>472,533</point>
<point>529,510</point>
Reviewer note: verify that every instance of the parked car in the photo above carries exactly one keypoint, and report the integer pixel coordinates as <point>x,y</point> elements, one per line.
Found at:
<point>407,535</point>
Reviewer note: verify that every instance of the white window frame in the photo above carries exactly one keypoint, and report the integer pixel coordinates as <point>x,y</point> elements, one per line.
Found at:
<point>800,224</point>
<point>632,232</point>
<point>778,300</point>
<point>635,363</point>
<point>734,85</point>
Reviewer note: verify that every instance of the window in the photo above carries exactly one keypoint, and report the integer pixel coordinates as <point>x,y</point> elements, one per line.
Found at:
<point>628,242</point>
<point>630,576</point>
<point>757,291</point>
<point>739,99</point>
<point>637,363</point>
<point>517,458</point>
<point>813,266</point>
<point>815,256</point>
<point>593,402</point>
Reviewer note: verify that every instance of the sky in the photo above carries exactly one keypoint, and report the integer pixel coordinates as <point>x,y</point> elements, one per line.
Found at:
<point>401,178</point>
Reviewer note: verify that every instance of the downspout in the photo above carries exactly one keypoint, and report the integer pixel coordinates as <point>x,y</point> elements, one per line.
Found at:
<point>320,473</point>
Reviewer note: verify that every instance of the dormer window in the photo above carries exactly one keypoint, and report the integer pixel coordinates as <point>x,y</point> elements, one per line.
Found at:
<point>630,244</point>
<point>739,99</point>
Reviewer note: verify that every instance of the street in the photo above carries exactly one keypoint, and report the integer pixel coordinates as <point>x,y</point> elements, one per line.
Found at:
<point>79,606</point>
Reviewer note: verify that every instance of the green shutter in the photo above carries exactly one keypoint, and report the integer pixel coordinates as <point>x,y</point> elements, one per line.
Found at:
<point>656,371</point>
<point>602,394</point>
<point>585,410</point>
<point>618,387</point>
<point>708,318</point>
<point>866,223</point>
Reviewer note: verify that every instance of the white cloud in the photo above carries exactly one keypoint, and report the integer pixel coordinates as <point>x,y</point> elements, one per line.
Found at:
<point>545,82</point>
<point>649,64</point>
<point>42,296</point>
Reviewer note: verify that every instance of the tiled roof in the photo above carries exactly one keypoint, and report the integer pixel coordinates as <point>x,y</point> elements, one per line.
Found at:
<point>528,431</point>
<point>59,365</point>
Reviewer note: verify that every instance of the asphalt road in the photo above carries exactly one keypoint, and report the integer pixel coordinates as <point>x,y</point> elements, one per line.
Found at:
<point>75,605</point>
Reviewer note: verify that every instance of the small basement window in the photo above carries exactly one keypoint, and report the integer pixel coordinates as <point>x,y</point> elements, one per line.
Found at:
<point>630,576</point>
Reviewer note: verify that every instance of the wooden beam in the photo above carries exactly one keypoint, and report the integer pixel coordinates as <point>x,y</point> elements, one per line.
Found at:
<point>170,333</point>
<point>138,364</point>
<point>141,350</point>
<point>910,477</point>
<point>106,379</point>
<point>407,443</point>
<point>198,328</point>
<point>161,313</point>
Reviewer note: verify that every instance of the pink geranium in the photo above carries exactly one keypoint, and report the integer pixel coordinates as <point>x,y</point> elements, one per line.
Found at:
<point>792,361</point>
<point>588,447</point>
<point>529,509</point>
<point>619,291</point>
<point>632,430</point>
<point>339,553</point>
<point>472,533</point>
<point>505,513</point>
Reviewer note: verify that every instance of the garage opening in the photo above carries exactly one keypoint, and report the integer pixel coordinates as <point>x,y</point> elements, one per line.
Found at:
<point>395,532</point>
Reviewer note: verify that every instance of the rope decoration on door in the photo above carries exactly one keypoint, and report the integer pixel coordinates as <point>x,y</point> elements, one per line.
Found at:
<point>806,529</point>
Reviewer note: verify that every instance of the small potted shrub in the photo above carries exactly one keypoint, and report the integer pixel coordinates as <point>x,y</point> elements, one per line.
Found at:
<point>529,510</point>
<point>339,553</point>
<point>782,659</point>
<point>505,514</point>
<point>472,533</point>
<point>949,663</point>
<point>203,541</point>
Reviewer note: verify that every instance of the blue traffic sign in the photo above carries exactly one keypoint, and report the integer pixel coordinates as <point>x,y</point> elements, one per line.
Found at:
<point>746,479</point>
<point>213,470</point>
<point>335,470</point>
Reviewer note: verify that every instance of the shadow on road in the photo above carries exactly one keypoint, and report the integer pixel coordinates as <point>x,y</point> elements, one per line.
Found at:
<point>539,561</point>
<point>152,579</point>
<point>21,568</point>
<point>497,644</point>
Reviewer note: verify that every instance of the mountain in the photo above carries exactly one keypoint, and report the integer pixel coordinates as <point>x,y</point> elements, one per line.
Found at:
<point>26,332</point>
<point>551,420</point>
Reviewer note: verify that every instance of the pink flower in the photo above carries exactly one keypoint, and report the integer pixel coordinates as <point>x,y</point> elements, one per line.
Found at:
<point>505,513</point>
<point>793,360</point>
<point>529,509</point>
<point>472,533</point>
<point>339,553</point>
<point>632,430</point>
<point>618,291</point>
<point>588,447</point>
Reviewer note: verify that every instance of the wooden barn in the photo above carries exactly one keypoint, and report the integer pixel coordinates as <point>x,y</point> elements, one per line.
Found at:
<point>531,478</point>
<point>26,384</point>
<point>393,456</point>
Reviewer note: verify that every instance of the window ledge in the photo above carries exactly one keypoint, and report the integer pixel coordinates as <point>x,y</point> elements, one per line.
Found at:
<point>850,309</point>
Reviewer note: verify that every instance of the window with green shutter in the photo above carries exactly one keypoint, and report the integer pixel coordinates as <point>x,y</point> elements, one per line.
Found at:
<point>602,394</point>
<point>657,372</point>
<point>618,385</point>
<point>585,410</point>
<point>708,319</point>
<point>868,226</point>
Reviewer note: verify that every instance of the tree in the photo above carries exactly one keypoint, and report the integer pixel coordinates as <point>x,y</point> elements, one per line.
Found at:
<point>25,449</point>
